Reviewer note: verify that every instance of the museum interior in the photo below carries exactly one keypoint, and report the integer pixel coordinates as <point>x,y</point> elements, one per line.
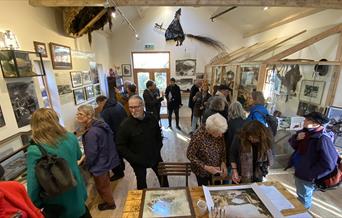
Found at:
<point>69,66</point>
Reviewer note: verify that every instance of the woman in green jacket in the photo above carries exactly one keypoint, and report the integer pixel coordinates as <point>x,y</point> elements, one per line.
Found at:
<point>47,132</point>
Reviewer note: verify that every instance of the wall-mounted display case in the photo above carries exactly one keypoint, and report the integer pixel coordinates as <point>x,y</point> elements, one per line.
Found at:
<point>15,63</point>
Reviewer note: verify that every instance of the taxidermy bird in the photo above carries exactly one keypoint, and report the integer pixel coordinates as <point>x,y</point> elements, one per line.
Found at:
<point>290,80</point>
<point>175,32</point>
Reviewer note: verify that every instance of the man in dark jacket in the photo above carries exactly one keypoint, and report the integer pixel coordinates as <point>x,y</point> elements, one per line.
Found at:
<point>194,89</point>
<point>140,141</point>
<point>152,101</point>
<point>174,101</point>
<point>113,113</point>
<point>314,157</point>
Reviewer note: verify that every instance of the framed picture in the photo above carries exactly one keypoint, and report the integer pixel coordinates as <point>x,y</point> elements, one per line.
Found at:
<point>311,91</point>
<point>171,202</point>
<point>64,89</point>
<point>60,56</point>
<point>94,72</point>
<point>86,78</point>
<point>89,92</point>
<point>40,47</point>
<point>76,78</point>
<point>97,89</point>
<point>305,108</point>
<point>185,84</point>
<point>79,96</point>
<point>186,67</point>
<point>126,70</point>
<point>24,101</point>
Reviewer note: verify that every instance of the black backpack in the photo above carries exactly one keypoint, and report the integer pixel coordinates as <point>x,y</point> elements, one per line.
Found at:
<point>54,174</point>
<point>271,121</point>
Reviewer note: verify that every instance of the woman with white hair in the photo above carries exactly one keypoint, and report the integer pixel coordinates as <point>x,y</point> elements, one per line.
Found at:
<point>206,150</point>
<point>100,151</point>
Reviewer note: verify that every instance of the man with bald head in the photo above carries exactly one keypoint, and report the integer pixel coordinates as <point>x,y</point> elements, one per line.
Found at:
<point>139,141</point>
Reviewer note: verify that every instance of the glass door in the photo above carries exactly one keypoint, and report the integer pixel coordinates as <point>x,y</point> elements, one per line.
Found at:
<point>142,78</point>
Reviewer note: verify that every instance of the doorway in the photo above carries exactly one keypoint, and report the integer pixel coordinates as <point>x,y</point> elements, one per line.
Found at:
<point>152,66</point>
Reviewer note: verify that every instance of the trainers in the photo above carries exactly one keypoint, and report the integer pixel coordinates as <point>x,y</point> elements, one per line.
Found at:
<point>116,176</point>
<point>105,206</point>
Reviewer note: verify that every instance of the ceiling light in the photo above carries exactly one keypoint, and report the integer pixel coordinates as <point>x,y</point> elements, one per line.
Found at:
<point>113,14</point>
<point>137,36</point>
<point>265,8</point>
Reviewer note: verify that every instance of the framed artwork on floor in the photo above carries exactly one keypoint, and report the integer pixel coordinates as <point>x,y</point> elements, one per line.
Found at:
<point>60,56</point>
<point>40,47</point>
<point>126,70</point>
<point>79,96</point>
<point>76,78</point>
<point>166,202</point>
<point>311,91</point>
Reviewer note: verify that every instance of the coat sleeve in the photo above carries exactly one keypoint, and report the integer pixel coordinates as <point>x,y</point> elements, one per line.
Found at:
<point>33,187</point>
<point>234,150</point>
<point>293,141</point>
<point>91,148</point>
<point>192,151</point>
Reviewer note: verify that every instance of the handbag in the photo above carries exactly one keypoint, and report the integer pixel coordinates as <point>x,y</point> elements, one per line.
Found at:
<point>332,180</point>
<point>53,174</point>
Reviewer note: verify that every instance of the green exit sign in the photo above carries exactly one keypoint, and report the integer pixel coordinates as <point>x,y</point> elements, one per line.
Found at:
<point>149,46</point>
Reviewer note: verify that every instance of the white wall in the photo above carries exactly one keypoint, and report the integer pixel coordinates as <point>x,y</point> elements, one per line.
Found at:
<point>194,20</point>
<point>44,25</point>
<point>325,48</point>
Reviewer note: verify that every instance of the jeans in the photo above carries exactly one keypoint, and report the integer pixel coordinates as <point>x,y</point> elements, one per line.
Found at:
<point>194,123</point>
<point>305,190</point>
<point>170,111</point>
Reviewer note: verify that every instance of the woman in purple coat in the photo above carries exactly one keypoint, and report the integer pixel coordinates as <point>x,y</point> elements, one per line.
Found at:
<point>100,151</point>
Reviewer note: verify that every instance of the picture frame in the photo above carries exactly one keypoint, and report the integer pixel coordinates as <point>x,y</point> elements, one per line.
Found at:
<point>40,47</point>
<point>186,67</point>
<point>89,92</point>
<point>178,203</point>
<point>311,91</point>
<point>76,78</point>
<point>79,96</point>
<point>126,70</point>
<point>86,77</point>
<point>60,56</point>
<point>97,89</point>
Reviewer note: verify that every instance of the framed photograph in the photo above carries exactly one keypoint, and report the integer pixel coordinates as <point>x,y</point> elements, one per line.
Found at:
<point>126,70</point>
<point>86,78</point>
<point>76,78</point>
<point>311,91</point>
<point>249,76</point>
<point>60,56</point>
<point>89,92</point>
<point>186,67</point>
<point>24,101</point>
<point>40,47</point>
<point>97,89</point>
<point>171,202</point>
<point>185,84</point>
<point>64,89</point>
<point>79,96</point>
<point>94,72</point>
<point>305,108</point>
<point>2,119</point>
<point>241,201</point>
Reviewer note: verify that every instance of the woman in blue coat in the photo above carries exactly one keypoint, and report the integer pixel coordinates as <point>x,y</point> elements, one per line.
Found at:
<point>258,111</point>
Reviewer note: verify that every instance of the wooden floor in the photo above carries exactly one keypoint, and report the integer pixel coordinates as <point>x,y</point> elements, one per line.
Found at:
<point>328,204</point>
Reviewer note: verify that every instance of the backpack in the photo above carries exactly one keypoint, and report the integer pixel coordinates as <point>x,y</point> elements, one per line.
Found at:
<point>271,121</point>
<point>53,174</point>
<point>332,180</point>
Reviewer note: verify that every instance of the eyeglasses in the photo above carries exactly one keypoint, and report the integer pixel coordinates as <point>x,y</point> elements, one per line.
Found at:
<point>80,114</point>
<point>134,107</point>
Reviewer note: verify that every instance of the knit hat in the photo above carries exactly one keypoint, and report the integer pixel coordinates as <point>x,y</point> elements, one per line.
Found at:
<point>317,118</point>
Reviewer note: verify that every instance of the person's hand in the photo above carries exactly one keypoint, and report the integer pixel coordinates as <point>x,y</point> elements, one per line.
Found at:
<point>116,90</point>
<point>301,136</point>
<point>224,170</point>
<point>235,176</point>
<point>212,170</point>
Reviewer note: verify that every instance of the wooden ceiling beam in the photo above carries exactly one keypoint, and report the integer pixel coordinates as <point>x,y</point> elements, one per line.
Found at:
<point>292,17</point>
<point>306,43</point>
<point>92,22</point>
<point>326,4</point>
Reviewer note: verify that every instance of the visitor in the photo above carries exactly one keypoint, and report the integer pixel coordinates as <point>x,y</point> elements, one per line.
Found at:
<point>200,102</point>
<point>174,101</point>
<point>258,111</point>
<point>193,91</point>
<point>152,101</point>
<point>100,151</point>
<point>206,150</point>
<point>47,132</point>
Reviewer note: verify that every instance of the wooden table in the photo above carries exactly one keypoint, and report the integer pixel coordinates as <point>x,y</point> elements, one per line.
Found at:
<point>133,201</point>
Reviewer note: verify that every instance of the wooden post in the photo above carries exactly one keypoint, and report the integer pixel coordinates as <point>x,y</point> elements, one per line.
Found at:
<point>262,77</point>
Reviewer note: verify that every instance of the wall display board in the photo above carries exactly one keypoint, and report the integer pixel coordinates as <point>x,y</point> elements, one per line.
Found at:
<point>186,67</point>
<point>24,101</point>
<point>171,202</point>
<point>2,119</point>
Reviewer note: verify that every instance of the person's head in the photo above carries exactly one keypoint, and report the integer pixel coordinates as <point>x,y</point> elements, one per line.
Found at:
<point>205,87</point>
<point>258,97</point>
<point>277,113</point>
<point>198,83</point>
<point>150,85</point>
<point>126,84</point>
<point>85,114</point>
<point>223,89</point>
<point>132,88</point>
<point>136,106</point>
<point>217,103</point>
<point>236,110</point>
<point>172,81</point>
<point>315,120</point>
<point>216,125</point>
<point>101,101</point>
<point>255,134</point>
<point>46,128</point>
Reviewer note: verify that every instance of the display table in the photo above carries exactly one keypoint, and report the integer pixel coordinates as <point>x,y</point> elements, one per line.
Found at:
<point>133,201</point>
